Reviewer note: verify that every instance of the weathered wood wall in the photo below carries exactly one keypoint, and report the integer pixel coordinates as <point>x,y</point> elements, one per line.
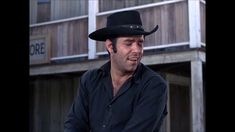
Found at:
<point>179,108</point>
<point>67,38</point>
<point>68,8</point>
<point>56,9</point>
<point>50,100</point>
<point>33,11</point>
<point>71,38</point>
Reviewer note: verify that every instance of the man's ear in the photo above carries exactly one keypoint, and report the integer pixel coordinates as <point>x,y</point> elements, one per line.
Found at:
<point>109,46</point>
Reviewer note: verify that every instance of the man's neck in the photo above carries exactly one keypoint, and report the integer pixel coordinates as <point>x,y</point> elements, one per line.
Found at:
<point>118,78</point>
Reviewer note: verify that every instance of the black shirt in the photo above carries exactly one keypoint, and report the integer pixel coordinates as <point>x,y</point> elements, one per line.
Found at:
<point>138,106</point>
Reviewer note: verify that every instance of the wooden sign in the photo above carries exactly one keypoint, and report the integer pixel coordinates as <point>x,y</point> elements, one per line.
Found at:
<point>39,49</point>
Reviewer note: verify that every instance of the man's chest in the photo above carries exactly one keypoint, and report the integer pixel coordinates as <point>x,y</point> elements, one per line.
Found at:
<point>104,107</point>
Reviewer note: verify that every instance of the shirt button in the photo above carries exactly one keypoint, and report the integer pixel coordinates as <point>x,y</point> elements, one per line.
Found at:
<point>104,125</point>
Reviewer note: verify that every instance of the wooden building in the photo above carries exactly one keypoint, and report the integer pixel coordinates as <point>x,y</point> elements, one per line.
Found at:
<point>60,52</point>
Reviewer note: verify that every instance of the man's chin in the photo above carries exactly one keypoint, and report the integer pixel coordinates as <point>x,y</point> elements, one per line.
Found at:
<point>131,68</point>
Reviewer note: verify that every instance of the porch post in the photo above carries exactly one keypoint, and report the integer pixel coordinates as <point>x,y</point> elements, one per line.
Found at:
<point>196,97</point>
<point>92,11</point>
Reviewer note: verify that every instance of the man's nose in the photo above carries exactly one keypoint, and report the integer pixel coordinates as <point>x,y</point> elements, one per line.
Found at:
<point>136,48</point>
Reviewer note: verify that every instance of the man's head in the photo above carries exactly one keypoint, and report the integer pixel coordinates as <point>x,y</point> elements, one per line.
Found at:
<point>123,36</point>
<point>127,53</point>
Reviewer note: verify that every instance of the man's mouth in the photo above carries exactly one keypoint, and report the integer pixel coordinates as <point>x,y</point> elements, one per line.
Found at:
<point>133,58</point>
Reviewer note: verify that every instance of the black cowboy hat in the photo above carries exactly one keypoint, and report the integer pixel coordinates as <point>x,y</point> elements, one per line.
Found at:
<point>121,23</point>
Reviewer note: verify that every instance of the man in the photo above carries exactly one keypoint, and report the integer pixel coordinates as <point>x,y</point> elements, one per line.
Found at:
<point>123,95</point>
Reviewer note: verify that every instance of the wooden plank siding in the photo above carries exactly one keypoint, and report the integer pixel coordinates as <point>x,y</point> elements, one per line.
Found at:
<point>51,98</point>
<point>101,22</point>
<point>33,11</point>
<point>181,22</point>
<point>172,20</point>
<point>56,9</point>
<point>203,22</point>
<point>67,38</point>
<point>61,9</point>
<point>43,11</point>
<point>71,38</point>
<point>107,5</point>
<point>179,108</point>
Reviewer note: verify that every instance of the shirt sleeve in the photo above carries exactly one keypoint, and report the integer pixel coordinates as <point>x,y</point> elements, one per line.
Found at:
<point>77,118</point>
<point>151,108</point>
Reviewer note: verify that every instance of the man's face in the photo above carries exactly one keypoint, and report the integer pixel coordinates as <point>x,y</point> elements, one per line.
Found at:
<point>129,53</point>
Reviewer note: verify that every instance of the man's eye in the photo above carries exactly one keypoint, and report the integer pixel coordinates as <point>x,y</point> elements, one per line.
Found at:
<point>140,43</point>
<point>128,44</point>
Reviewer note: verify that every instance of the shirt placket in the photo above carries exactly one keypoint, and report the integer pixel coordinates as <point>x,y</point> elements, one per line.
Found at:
<point>108,116</point>
<point>108,109</point>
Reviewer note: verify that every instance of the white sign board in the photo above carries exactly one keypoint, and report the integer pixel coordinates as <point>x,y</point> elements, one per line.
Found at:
<point>39,49</point>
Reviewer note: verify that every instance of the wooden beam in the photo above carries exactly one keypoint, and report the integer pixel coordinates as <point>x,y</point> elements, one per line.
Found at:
<point>65,68</point>
<point>178,80</point>
<point>168,117</point>
<point>173,57</point>
<point>156,59</point>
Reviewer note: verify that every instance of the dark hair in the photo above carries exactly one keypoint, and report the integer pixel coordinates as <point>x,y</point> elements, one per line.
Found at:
<point>114,42</point>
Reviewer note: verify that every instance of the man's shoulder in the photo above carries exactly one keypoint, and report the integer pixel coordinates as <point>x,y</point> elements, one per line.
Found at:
<point>148,71</point>
<point>96,74</point>
<point>90,75</point>
<point>151,74</point>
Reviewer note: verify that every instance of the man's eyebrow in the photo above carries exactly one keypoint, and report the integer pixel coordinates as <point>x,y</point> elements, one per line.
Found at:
<point>129,40</point>
<point>132,40</point>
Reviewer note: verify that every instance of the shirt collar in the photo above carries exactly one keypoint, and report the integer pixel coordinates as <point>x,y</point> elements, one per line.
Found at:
<point>105,69</point>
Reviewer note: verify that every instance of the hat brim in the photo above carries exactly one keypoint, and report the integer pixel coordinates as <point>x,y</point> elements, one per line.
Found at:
<point>109,32</point>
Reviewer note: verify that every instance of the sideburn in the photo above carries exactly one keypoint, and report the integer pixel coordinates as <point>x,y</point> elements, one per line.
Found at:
<point>114,41</point>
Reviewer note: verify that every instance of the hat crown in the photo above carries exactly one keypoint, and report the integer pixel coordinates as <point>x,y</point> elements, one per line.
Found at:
<point>121,23</point>
<point>124,18</point>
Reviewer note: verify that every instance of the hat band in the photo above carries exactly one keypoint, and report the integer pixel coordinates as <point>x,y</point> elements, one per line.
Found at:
<point>138,27</point>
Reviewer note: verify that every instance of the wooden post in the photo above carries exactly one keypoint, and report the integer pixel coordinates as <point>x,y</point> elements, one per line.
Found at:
<point>194,23</point>
<point>168,120</point>
<point>196,98</point>
<point>92,11</point>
